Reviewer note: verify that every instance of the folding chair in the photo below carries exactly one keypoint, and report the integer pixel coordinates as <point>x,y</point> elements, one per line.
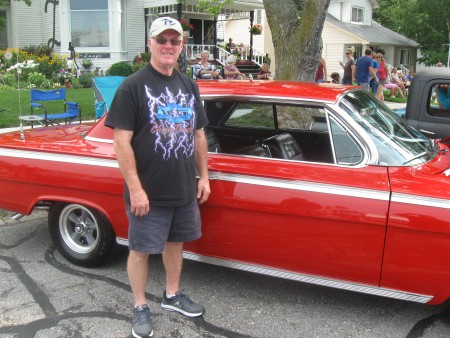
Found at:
<point>71,110</point>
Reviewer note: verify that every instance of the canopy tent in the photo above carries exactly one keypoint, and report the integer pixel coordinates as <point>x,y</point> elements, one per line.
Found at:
<point>104,90</point>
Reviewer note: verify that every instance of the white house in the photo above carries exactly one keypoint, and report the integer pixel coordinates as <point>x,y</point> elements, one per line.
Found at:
<point>349,24</point>
<point>108,31</point>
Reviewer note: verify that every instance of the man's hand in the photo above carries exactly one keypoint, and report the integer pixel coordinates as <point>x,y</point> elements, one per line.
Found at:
<point>140,206</point>
<point>203,190</point>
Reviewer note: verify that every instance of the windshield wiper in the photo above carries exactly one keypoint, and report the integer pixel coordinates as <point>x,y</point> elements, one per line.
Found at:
<point>416,157</point>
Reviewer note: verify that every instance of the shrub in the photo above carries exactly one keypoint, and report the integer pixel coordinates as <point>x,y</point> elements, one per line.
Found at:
<point>36,79</point>
<point>49,66</point>
<point>10,80</point>
<point>139,65</point>
<point>146,57</point>
<point>85,80</point>
<point>40,50</point>
<point>120,69</point>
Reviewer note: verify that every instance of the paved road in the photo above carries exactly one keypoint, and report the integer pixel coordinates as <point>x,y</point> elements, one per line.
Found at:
<point>42,295</point>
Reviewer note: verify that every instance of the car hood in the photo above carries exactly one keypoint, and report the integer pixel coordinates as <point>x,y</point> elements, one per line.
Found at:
<point>53,139</point>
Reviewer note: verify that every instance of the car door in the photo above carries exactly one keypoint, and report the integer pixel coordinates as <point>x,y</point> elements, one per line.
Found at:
<point>301,217</point>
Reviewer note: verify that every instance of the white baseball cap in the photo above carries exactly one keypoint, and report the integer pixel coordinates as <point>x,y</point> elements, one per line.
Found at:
<point>162,24</point>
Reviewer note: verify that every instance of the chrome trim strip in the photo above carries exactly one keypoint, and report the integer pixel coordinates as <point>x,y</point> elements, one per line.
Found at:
<point>265,98</point>
<point>372,290</point>
<point>420,200</point>
<point>36,155</point>
<point>303,186</point>
<point>96,139</point>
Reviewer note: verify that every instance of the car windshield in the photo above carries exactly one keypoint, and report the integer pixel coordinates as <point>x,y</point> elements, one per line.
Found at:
<point>396,142</point>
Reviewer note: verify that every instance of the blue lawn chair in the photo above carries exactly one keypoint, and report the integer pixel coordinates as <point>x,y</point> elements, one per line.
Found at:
<point>69,111</point>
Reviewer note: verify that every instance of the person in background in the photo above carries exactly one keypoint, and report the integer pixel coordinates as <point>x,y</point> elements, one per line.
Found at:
<point>335,77</point>
<point>264,73</point>
<point>373,83</point>
<point>321,74</point>
<point>231,71</point>
<point>230,47</point>
<point>439,64</point>
<point>382,76</point>
<point>364,69</point>
<point>158,161</point>
<point>396,79</point>
<point>443,96</point>
<point>349,67</point>
<point>181,64</point>
<point>205,70</point>
<point>409,78</point>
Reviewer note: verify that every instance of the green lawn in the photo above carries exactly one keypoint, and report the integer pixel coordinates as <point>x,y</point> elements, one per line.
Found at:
<point>9,100</point>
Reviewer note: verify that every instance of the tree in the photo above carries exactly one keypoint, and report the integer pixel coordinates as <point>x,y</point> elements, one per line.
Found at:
<point>2,21</point>
<point>214,7</point>
<point>425,21</point>
<point>296,27</point>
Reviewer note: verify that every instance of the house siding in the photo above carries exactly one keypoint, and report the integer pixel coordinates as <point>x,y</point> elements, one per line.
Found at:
<point>26,24</point>
<point>334,48</point>
<point>135,23</point>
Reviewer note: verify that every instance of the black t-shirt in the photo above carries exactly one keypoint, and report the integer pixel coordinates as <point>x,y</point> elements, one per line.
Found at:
<point>163,112</point>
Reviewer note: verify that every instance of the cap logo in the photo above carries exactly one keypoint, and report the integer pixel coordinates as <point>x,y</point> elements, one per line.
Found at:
<point>168,22</point>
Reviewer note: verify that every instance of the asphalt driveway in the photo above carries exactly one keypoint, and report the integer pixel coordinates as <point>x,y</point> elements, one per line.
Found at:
<point>42,295</point>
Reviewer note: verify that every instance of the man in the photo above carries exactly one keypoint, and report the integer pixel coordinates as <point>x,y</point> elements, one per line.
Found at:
<point>181,64</point>
<point>158,121</point>
<point>230,47</point>
<point>364,69</point>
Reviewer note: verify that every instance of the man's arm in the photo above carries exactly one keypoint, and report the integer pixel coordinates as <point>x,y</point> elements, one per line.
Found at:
<point>201,157</point>
<point>373,73</point>
<point>140,205</point>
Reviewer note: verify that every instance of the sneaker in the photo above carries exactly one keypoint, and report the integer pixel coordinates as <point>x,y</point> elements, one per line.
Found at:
<point>181,303</point>
<point>141,322</point>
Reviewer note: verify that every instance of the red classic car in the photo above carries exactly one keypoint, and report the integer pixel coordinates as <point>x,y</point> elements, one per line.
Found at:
<point>317,183</point>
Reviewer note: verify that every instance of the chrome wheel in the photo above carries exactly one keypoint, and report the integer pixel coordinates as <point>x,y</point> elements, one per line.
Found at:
<point>79,229</point>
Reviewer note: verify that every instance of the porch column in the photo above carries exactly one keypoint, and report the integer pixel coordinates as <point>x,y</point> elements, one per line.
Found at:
<point>216,50</point>
<point>179,10</point>
<point>252,17</point>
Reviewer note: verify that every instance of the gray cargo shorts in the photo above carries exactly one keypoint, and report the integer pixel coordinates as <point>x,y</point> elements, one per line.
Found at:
<point>149,234</point>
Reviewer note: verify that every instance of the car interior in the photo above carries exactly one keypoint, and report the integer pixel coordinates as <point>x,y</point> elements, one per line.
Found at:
<point>273,130</point>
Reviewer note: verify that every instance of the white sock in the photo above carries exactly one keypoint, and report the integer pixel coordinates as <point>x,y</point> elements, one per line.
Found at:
<point>170,296</point>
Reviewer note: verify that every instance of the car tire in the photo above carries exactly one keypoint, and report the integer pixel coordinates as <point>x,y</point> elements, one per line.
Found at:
<point>83,235</point>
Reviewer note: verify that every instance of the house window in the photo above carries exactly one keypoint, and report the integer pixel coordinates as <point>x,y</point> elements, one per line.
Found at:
<point>258,17</point>
<point>357,14</point>
<point>358,52</point>
<point>405,57</point>
<point>3,32</point>
<point>89,23</point>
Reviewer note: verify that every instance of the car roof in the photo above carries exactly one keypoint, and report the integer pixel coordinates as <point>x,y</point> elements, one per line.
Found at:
<point>324,92</point>
<point>434,73</point>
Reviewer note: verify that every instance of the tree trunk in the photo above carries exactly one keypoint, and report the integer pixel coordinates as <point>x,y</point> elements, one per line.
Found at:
<point>296,27</point>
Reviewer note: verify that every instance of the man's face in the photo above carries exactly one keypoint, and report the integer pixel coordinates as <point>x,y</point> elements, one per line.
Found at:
<point>164,48</point>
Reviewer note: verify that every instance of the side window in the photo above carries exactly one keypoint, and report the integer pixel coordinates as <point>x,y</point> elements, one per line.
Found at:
<point>346,150</point>
<point>301,118</point>
<point>439,104</point>
<point>252,115</point>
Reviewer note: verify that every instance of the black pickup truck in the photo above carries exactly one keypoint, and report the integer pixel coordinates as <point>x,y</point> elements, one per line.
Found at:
<point>423,109</point>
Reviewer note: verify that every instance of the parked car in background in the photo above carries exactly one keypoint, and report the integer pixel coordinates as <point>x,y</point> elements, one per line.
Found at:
<point>317,183</point>
<point>428,106</point>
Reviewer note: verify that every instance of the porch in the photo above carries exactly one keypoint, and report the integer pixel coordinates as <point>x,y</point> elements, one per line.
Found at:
<point>208,31</point>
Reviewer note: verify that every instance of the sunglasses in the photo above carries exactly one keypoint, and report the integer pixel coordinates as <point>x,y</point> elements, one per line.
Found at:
<point>161,40</point>
<point>348,53</point>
